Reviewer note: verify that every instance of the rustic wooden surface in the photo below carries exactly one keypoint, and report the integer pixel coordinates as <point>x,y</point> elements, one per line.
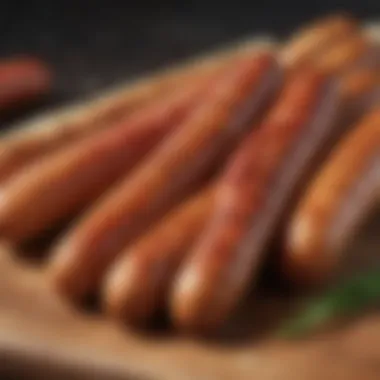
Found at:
<point>41,335</point>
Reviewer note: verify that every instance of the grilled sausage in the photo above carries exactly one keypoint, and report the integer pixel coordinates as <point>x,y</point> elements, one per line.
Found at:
<point>21,147</point>
<point>22,81</point>
<point>342,193</point>
<point>60,185</point>
<point>137,284</point>
<point>359,81</point>
<point>134,289</point>
<point>360,89</point>
<point>259,181</point>
<point>312,39</point>
<point>162,178</point>
<point>344,55</point>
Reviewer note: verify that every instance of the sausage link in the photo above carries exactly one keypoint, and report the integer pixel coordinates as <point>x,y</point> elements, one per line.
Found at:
<point>21,147</point>
<point>134,290</point>
<point>310,40</point>
<point>58,186</point>
<point>343,192</point>
<point>168,172</point>
<point>140,279</point>
<point>259,181</point>
<point>137,284</point>
<point>344,55</point>
<point>360,90</point>
<point>359,81</point>
<point>22,81</point>
<point>16,150</point>
<point>354,59</point>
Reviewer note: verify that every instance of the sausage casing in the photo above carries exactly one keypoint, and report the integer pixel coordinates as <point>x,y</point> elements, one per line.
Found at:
<point>342,193</point>
<point>344,56</point>
<point>60,185</point>
<point>360,89</point>
<point>166,174</point>
<point>311,39</point>
<point>258,183</point>
<point>44,135</point>
<point>137,284</point>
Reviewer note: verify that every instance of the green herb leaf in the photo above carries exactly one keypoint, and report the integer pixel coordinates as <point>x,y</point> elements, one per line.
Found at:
<point>348,298</point>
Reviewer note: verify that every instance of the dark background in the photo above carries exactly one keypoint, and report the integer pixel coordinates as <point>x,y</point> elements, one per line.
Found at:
<point>94,44</point>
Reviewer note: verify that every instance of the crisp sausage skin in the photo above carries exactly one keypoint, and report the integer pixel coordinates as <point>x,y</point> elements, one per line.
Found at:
<point>260,180</point>
<point>23,80</point>
<point>309,41</point>
<point>137,284</point>
<point>345,189</point>
<point>165,175</point>
<point>62,184</point>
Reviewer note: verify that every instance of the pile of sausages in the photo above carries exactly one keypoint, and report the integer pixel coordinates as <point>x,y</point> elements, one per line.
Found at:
<point>172,192</point>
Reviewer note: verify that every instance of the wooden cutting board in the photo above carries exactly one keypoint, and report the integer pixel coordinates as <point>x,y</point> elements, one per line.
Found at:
<point>41,336</point>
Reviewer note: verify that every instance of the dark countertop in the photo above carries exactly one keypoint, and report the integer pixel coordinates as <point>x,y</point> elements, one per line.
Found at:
<point>93,44</point>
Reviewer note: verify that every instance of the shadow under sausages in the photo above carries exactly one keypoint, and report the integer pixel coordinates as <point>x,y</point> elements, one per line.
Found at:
<point>36,251</point>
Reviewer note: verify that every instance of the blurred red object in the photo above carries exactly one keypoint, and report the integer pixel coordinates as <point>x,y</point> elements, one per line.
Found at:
<point>23,80</point>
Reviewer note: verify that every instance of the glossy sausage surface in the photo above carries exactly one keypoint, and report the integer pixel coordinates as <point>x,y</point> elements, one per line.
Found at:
<point>360,89</point>
<point>166,174</point>
<point>137,284</point>
<point>22,147</point>
<point>62,184</point>
<point>258,184</point>
<point>344,55</point>
<point>343,192</point>
<point>313,38</point>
